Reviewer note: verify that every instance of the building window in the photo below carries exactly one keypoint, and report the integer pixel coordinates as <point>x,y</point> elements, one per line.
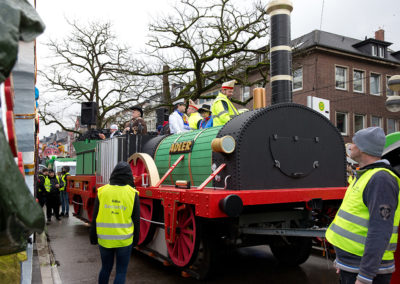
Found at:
<point>340,78</point>
<point>245,93</point>
<point>381,52</point>
<point>375,84</point>
<point>261,57</point>
<point>359,121</point>
<point>376,121</point>
<point>298,79</point>
<point>389,92</point>
<point>374,53</point>
<point>391,125</point>
<point>341,122</point>
<point>358,81</point>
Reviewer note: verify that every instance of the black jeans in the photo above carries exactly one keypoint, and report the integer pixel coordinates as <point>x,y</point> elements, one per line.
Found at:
<point>350,278</point>
<point>53,203</point>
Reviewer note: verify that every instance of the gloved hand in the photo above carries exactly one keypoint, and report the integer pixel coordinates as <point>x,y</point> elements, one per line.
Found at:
<point>93,241</point>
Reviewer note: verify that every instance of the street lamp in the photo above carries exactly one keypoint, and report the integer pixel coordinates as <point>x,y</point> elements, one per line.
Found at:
<point>393,102</point>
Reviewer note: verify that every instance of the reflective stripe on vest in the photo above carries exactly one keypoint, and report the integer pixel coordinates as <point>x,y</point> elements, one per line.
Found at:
<point>63,178</point>
<point>47,184</point>
<point>114,225</point>
<point>349,229</point>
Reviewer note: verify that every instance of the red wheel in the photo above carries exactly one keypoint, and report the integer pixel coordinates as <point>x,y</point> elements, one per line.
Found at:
<point>147,209</point>
<point>138,170</point>
<point>146,212</point>
<point>183,249</point>
<point>77,201</point>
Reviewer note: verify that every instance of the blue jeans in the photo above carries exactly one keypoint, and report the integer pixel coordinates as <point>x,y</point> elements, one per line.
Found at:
<point>350,278</point>
<point>64,202</point>
<point>107,261</point>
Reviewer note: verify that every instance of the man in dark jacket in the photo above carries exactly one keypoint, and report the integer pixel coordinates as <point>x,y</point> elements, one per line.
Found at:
<point>40,189</point>
<point>115,224</point>
<point>52,184</point>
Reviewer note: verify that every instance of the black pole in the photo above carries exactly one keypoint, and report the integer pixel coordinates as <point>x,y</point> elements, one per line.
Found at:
<point>280,51</point>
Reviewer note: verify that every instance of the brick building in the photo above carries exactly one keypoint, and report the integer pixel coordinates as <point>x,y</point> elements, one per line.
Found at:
<point>352,74</point>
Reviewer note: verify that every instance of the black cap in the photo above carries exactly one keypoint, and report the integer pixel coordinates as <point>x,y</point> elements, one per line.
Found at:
<point>137,108</point>
<point>205,107</point>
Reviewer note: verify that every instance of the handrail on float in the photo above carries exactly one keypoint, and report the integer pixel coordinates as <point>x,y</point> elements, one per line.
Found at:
<point>170,170</point>
<point>211,177</point>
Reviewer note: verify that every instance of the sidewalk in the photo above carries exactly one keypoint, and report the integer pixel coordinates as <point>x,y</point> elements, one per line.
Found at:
<point>65,254</point>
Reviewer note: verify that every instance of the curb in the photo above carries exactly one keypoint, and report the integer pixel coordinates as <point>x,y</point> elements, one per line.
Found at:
<point>48,266</point>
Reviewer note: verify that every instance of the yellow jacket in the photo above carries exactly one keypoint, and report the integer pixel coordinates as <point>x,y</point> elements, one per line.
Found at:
<point>223,110</point>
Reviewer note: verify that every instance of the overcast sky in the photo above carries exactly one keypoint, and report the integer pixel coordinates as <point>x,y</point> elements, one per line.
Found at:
<point>352,18</point>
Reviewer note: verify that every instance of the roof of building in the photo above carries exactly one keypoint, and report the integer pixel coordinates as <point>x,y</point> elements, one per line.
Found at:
<point>341,43</point>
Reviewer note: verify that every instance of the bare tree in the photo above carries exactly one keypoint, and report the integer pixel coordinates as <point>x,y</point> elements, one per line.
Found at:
<point>86,67</point>
<point>207,42</point>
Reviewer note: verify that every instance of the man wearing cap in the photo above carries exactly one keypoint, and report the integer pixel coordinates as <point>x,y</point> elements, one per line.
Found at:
<point>136,125</point>
<point>223,109</point>
<point>114,131</point>
<point>364,231</point>
<point>178,120</point>
<point>194,116</point>
<point>207,120</point>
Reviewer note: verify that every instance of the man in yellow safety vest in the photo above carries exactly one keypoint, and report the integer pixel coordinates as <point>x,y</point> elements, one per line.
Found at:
<point>223,109</point>
<point>63,192</point>
<point>115,224</point>
<point>194,115</point>
<point>364,230</point>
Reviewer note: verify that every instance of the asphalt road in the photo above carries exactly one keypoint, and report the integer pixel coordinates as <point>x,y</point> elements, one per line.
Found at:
<point>79,262</point>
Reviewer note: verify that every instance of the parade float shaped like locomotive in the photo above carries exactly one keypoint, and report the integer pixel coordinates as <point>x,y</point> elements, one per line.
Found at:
<point>272,176</point>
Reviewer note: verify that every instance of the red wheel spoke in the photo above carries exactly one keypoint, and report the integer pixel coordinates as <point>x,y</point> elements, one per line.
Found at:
<point>186,223</point>
<point>188,242</point>
<point>181,251</point>
<point>187,232</point>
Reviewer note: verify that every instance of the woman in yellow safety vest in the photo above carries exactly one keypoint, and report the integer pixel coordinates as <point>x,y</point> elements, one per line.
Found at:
<point>115,223</point>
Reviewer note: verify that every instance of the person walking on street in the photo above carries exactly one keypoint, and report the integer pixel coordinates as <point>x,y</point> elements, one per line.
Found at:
<point>207,120</point>
<point>178,120</point>
<point>364,230</point>
<point>53,184</point>
<point>222,109</point>
<point>64,193</point>
<point>41,190</point>
<point>115,224</point>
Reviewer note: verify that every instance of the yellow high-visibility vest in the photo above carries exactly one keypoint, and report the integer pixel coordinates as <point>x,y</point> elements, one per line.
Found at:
<point>349,229</point>
<point>219,113</point>
<point>47,183</point>
<point>194,119</point>
<point>63,178</point>
<point>114,224</point>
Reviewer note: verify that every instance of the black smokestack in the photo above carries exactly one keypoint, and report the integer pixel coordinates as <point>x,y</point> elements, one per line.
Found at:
<point>280,51</point>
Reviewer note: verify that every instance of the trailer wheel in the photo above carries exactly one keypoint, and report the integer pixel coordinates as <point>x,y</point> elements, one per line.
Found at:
<point>148,212</point>
<point>78,205</point>
<point>291,251</point>
<point>183,251</point>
